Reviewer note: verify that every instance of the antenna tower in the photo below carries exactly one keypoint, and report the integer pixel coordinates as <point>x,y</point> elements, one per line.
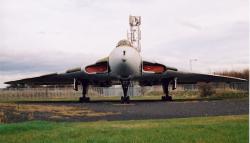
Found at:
<point>134,36</point>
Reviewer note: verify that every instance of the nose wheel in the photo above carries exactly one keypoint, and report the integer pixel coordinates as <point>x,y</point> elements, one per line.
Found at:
<point>125,98</point>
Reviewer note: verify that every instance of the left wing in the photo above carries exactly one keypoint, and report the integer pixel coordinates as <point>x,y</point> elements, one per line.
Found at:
<point>154,73</point>
<point>185,78</point>
<point>188,77</point>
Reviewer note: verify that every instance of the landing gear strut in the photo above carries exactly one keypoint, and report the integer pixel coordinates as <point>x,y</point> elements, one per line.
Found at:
<point>165,84</point>
<point>85,86</point>
<point>125,98</point>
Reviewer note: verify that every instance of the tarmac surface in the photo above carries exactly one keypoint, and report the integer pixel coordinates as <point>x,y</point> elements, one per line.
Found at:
<point>114,110</point>
<point>163,110</point>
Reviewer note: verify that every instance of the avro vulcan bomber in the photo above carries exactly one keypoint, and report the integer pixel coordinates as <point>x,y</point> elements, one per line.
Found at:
<point>123,66</point>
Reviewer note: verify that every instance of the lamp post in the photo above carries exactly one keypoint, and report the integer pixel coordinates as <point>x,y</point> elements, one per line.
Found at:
<point>190,63</point>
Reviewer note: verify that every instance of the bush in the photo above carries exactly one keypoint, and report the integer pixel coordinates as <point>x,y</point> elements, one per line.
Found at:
<point>240,74</point>
<point>206,89</point>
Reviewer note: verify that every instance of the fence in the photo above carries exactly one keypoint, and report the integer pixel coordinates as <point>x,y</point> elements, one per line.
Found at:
<point>46,93</point>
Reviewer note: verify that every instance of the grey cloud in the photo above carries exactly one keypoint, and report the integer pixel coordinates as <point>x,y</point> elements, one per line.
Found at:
<point>17,66</point>
<point>48,62</point>
<point>224,45</point>
<point>190,25</point>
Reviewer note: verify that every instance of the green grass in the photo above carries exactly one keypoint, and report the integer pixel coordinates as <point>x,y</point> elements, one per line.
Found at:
<point>228,129</point>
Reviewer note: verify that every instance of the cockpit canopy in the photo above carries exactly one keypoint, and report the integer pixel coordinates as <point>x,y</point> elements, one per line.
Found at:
<point>124,43</point>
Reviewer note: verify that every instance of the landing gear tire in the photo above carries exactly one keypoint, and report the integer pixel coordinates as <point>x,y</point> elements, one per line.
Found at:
<point>166,98</point>
<point>125,99</point>
<point>84,99</point>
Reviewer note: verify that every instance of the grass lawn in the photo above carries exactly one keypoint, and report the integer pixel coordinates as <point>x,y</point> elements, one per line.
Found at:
<point>228,129</point>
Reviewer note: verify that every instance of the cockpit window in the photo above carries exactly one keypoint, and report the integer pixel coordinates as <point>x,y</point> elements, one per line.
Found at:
<point>124,43</point>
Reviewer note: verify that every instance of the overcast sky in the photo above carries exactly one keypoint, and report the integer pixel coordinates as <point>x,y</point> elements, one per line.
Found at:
<point>43,36</point>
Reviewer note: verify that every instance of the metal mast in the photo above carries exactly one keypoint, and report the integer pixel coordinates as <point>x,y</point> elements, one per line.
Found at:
<point>134,36</point>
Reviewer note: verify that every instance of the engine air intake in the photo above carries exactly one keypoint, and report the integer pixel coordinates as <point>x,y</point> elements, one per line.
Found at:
<point>97,68</point>
<point>153,67</point>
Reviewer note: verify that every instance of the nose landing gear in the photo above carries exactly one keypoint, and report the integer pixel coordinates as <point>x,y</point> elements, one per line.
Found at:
<point>125,97</point>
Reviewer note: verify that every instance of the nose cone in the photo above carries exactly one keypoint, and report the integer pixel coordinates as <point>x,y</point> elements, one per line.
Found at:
<point>124,62</point>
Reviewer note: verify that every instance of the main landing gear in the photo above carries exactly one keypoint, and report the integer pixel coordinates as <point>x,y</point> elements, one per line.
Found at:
<point>165,84</point>
<point>125,98</point>
<point>85,86</point>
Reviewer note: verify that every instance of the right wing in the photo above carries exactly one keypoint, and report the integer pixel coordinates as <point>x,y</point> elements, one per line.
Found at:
<point>62,78</point>
<point>95,74</point>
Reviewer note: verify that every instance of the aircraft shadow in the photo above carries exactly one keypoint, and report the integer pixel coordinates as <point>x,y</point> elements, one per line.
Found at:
<point>118,101</point>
